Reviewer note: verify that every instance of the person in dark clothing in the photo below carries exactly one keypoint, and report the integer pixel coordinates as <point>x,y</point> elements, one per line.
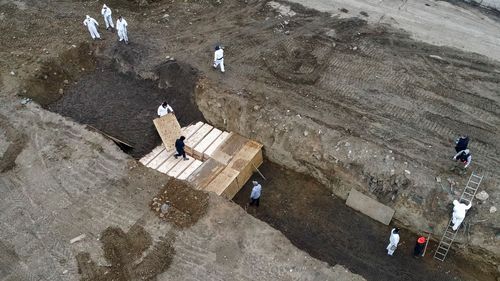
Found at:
<point>419,247</point>
<point>179,146</point>
<point>461,143</point>
<point>463,156</point>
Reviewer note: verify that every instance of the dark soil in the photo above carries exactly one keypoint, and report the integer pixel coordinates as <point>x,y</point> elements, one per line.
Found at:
<point>186,205</point>
<point>124,251</point>
<point>16,146</point>
<point>322,225</point>
<point>124,106</point>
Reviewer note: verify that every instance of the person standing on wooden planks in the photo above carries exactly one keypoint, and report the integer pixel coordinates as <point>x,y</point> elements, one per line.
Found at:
<point>393,241</point>
<point>255,195</point>
<point>164,109</point>
<point>179,146</point>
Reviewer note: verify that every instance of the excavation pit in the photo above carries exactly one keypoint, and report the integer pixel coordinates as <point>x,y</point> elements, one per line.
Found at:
<point>123,106</point>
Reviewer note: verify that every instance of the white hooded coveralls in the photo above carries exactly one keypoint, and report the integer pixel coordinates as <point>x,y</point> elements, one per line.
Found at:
<point>106,13</point>
<point>121,27</point>
<point>459,210</point>
<point>92,24</point>
<point>162,111</point>
<point>393,242</point>
<point>219,59</point>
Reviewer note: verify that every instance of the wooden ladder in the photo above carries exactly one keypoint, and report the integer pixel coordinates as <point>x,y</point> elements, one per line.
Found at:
<point>450,234</point>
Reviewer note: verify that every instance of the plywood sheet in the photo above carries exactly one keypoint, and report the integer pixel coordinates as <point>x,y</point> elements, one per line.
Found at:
<point>169,130</point>
<point>224,153</point>
<point>180,167</point>
<point>200,148</point>
<point>158,160</point>
<point>197,138</point>
<point>211,149</point>
<point>150,156</point>
<point>225,180</point>
<point>369,207</point>
<point>205,173</point>
<point>189,170</point>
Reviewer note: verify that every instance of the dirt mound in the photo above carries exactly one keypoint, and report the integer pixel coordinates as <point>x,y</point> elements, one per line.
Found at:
<point>124,252</point>
<point>124,106</point>
<point>185,205</point>
<point>49,83</point>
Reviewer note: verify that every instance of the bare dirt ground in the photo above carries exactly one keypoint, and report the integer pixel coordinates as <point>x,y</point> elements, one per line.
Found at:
<point>351,103</point>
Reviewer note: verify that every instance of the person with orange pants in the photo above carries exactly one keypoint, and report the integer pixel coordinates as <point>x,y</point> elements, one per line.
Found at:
<point>419,247</point>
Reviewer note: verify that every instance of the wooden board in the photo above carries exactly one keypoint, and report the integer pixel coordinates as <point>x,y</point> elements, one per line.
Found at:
<point>197,138</point>
<point>225,152</point>
<point>150,156</point>
<point>225,180</point>
<point>189,170</point>
<point>205,173</point>
<point>158,160</point>
<point>245,161</point>
<point>369,207</point>
<point>180,167</point>
<point>191,129</point>
<point>200,148</point>
<point>169,164</point>
<point>211,149</point>
<point>169,130</point>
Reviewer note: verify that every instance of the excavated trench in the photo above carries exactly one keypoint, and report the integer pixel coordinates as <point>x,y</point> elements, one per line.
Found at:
<point>95,92</point>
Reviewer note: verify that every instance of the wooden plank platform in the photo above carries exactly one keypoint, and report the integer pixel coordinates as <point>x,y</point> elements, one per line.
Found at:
<point>225,152</point>
<point>226,180</point>
<point>150,156</point>
<point>245,161</point>
<point>205,173</point>
<point>211,149</point>
<point>169,130</point>
<point>159,159</point>
<point>169,164</point>
<point>197,137</point>
<point>220,162</point>
<point>200,148</point>
<point>189,170</point>
<point>180,167</point>
<point>191,129</point>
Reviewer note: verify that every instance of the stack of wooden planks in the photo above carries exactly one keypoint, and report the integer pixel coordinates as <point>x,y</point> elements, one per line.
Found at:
<point>220,162</point>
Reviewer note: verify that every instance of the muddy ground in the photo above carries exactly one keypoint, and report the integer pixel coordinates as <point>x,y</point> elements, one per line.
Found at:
<point>318,222</point>
<point>123,105</point>
<point>351,103</point>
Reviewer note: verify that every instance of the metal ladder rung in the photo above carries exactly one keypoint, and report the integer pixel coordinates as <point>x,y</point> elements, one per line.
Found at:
<point>474,175</point>
<point>470,194</point>
<point>441,253</point>
<point>468,187</point>
<point>476,183</point>
<point>444,243</point>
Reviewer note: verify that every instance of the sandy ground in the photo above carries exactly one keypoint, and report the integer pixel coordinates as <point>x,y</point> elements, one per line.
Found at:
<point>434,22</point>
<point>351,104</point>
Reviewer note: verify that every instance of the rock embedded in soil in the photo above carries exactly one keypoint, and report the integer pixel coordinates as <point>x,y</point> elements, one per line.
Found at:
<point>482,196</point>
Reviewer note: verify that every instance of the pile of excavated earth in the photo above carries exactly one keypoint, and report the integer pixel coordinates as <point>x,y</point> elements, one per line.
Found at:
<point>341,94</point>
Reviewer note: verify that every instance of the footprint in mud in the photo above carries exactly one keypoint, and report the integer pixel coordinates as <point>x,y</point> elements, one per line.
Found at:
<point>124,252</point>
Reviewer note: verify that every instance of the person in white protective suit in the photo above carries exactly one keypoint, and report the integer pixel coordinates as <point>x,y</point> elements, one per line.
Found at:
<point>92,24</point>
<point>393,241</point>
<point>106,13</point>
<point>121,27</point>
<point>459,210</point>
<point>164,109</point>
<point>219,58</point>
